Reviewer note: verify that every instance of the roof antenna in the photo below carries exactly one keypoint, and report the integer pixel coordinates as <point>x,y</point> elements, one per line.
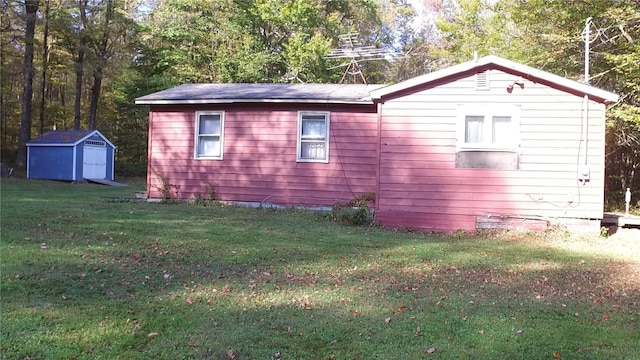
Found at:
<point>351,48</point>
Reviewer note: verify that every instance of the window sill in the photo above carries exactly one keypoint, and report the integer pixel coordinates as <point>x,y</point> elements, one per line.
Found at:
<point>321,161</point>
<point>489,148</point>
<point>208,158</point>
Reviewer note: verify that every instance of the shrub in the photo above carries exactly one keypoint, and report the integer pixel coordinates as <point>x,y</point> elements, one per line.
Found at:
<point>355,211</point>
<point>355,216</point>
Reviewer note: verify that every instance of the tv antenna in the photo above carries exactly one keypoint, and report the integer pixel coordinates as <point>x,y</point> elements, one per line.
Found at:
<point>351,48</point>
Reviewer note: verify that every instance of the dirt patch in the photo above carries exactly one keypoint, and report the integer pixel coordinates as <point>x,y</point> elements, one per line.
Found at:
<point>624,233</point>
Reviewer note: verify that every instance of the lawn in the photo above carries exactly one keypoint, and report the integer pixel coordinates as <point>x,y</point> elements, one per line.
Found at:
<point>86,275</point>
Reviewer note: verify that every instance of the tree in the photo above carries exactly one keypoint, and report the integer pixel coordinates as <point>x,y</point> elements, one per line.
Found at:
<point>549,35</point>
<point>45,65</point>
<point>31,8</point>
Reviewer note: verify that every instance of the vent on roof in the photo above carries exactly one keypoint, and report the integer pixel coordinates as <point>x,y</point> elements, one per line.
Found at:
<point>482,80</point>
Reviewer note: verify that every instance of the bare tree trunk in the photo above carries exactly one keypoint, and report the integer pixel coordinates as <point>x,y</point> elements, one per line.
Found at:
<point>80,63</point>
<point>95,97</point>
<point>31,8</point>
<point>45,63</point>
<point>3,27</point>
<point>102,54</point>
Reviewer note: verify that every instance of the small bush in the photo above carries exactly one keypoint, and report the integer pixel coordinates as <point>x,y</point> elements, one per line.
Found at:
<point>354,212</point>
<point>352,216</point>
<point>166,187</point>
<point>211,191</point>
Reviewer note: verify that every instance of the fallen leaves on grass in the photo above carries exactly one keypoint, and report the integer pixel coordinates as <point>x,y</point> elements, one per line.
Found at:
<point>304,302</point>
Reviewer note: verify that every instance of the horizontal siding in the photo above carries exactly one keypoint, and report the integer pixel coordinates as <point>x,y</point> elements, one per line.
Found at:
<point>418,177</point>
<point>260,157</point>
<point>444,222</point>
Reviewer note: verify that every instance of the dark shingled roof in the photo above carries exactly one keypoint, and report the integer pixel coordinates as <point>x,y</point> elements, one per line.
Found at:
<point>230,93</point>
<point>61,137</point>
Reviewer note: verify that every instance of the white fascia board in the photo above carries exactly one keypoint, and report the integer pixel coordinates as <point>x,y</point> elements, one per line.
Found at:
<point>94,132</point>
<point>61,145</point>
<point>499,63</point>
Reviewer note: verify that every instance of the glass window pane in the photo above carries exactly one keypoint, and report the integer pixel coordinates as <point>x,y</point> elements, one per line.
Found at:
<point>502,129</point>
<point>209,124</point>
<point>313,128</point>
<point>312,150</point>
<point>209,146</point>
<point>473,129</point>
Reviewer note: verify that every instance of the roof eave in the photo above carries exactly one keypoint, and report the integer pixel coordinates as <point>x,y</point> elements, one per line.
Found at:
<point>245,101</point>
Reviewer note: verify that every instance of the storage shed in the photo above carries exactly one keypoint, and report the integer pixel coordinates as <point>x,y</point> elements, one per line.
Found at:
<point>70,155</point>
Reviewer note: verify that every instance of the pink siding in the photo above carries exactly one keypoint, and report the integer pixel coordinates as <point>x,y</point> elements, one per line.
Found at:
<point>420,186</point>
<point>259,152</point>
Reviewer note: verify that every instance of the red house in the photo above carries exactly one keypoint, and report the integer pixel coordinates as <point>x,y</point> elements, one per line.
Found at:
<point>487,143</point>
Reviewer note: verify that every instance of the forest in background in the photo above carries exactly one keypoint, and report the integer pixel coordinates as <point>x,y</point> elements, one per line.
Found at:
<point>79,64</point>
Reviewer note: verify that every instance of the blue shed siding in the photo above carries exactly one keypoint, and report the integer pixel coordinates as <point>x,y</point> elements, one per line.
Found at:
<point>51,162</point>
<point>79,160</point>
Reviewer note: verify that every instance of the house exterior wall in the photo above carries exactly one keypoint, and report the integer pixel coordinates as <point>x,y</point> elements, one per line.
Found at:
<point>50,162</point>
<point>420,186</point>
<point>259,155</point>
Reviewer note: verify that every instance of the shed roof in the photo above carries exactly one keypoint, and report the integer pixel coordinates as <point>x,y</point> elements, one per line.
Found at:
<point>232,93</point>
<point>495,62</point>
<point>65,137</point>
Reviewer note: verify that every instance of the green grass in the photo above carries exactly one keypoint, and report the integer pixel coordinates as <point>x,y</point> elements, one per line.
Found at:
<point>84,276</point>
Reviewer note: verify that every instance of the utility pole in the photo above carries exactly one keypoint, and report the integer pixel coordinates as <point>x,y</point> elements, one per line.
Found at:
<point>587,41</point>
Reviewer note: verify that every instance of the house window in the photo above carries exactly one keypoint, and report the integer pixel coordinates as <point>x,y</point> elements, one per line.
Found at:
<point>313,137</point>
<point>488,137</point>
<point>209,135</point>
<point>488,131</point>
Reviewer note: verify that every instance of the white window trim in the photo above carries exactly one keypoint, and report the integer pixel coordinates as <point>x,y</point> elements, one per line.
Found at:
<point>327,116</point>
<point>488,112</point>
<point>197,136</point>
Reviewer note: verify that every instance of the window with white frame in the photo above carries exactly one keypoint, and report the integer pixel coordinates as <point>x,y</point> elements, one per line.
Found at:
<point>313,137</point>
<point>489,128</point>
<point>209,135</point>
<point>488,137</point>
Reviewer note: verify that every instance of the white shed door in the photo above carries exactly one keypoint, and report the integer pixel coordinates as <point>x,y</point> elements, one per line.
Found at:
<point>95,161</point>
